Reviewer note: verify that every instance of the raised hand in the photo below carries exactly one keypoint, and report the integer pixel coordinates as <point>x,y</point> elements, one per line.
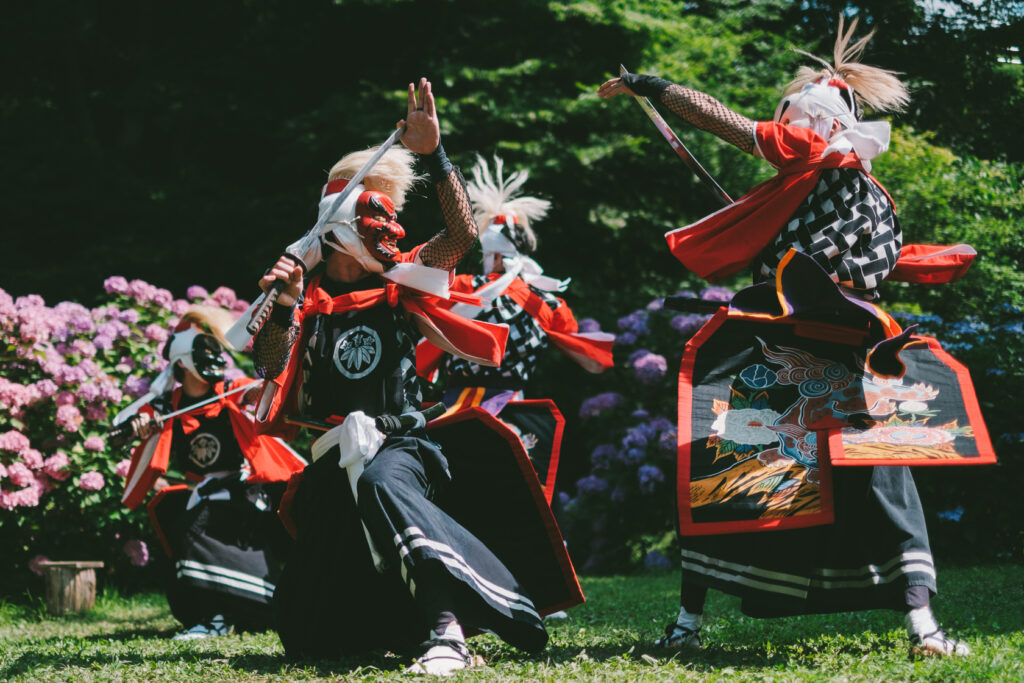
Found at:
<point>290,273</point>
<point>613,87</point>
<point>422,129</point>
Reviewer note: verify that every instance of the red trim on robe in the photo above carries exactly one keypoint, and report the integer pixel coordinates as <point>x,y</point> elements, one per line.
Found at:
<point>728,240</point>
<point>559,325</point>
<point>478,341</point>
<point>269,459</point>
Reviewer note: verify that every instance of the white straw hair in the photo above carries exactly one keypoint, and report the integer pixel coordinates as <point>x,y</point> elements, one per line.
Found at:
<point>212,319</point>
<point>493,195</point>
<point>393,174</point>
<point>878,88</point>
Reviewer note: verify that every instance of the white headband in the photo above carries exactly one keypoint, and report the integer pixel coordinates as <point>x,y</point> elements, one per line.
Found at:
<point>818,105</point>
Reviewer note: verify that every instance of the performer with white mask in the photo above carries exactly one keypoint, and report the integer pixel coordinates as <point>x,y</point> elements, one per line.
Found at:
<point>823,202</point>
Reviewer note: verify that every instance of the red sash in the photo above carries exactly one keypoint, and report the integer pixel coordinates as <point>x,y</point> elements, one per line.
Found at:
<point>269,459</point>
<point>476,341</point>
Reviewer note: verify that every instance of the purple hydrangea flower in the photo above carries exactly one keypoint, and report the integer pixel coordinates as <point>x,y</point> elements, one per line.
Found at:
<point>687,324</point>
<point>635,438</point>
<point>640,414</point>
<point>632,456</point>
<point>657,561</point>
<point>649,476</point>
<point>716,294</point>
<point>626,338</point>
<point>668,442</point>
<point>196,292</point>
<point>601,457</point>
<point>595,405</point>
<point>591,484</point>
<point>650,368</point>
<point>635,322</point>
<point>589,325</point>
<point>115,285</point>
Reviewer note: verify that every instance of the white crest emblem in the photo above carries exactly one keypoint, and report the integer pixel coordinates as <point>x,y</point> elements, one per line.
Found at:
<point>357,352</point>
<point>204,449</point>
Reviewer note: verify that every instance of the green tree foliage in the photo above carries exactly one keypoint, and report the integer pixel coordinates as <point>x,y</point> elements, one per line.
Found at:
<point>185,143</point>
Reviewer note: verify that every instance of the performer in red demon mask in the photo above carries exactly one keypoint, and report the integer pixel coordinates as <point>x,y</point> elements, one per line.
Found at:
<point>416,548</point>
<point>860,543</point>
<point>514,291</point>
<point>221,531</point>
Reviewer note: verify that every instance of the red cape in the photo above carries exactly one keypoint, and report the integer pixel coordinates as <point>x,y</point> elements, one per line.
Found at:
<point>559,325</point>
<point>269,459</point>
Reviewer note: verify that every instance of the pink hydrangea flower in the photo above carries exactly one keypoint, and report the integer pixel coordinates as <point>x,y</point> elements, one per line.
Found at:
<point>3,470</point>
<point>88,392</point>
<point>224,296</point>
<point>32,458</point>
<point>179,306</point>
<point>46,387</point>
<point>240,306</point>
<point>157,333</point>
<point>137,551</point>
<point>13,441</point>
<point>56,466</point>
<point>33,564</point>
<point>162,298</point>
<point>69,418</point>
<point>91,481</point>
<point>141,291</point>
<point>130,316</point>
<point>122,468</point>
<point>115,285</point>
<point>196,292</point>
<point>64,398</point>
<point>94,443</point>
<point>96,412</point>
<point>19,474</point>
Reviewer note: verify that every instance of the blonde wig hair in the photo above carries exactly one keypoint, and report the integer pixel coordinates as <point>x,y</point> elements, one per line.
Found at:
<point>878,88</point>
<point>212,319</point>
<point>494,195</point>
<point>393,174</point>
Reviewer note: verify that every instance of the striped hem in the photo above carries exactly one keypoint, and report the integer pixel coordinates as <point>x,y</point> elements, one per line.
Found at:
<point>413,539</point>
<point>225,577</point>
<point>797,585</point>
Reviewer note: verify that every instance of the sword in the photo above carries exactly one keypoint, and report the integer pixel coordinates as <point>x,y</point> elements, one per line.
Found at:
<point>302,249</point>
<point>120,431</point>
<point>679,147</point>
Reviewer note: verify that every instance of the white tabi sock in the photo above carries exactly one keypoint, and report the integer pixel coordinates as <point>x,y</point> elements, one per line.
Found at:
<point>452,631</point>
<point>689,620</point>
<point>921,621</point>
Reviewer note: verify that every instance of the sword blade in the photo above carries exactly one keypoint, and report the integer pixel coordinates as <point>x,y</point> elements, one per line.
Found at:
<point>355,180</point>
<point>176,413</point>
<point>677,144</point>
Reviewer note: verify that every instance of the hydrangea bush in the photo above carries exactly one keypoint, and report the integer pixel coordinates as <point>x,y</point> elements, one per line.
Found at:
<point>65,372</point>
<point>620,514</point>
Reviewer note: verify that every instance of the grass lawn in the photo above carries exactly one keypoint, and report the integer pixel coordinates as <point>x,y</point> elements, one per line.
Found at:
<point>606,639</point>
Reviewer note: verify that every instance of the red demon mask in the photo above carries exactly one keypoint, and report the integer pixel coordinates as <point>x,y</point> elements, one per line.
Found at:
<point>378,226</point>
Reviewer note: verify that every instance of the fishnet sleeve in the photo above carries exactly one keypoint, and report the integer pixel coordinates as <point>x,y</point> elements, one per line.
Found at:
<point>446,248</point>
<point>272,347</point>
<point>707,113</point>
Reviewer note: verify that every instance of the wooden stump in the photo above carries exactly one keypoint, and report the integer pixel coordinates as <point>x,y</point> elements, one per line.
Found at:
<point>70,586</point>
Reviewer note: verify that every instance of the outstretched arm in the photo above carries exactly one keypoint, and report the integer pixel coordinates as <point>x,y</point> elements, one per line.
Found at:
<point>423,136</point>
<point>698,108</point>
